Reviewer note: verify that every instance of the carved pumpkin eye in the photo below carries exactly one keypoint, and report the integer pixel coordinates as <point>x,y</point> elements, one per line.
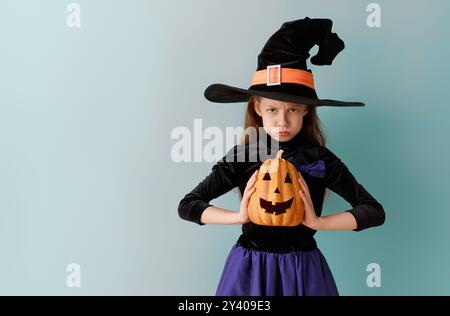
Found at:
<point>266,176</point>
<point>288,179</point>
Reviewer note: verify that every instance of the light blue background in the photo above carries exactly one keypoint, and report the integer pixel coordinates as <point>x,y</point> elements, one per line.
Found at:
<point>86,116</point>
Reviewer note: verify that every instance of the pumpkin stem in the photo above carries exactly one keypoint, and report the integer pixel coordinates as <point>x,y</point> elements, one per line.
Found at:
<point>280,152</point>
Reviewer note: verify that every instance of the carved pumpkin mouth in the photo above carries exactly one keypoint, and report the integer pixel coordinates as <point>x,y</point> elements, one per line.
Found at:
<point>278,208</point>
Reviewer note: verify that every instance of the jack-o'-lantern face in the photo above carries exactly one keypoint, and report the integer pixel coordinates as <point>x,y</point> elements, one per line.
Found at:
<point>277,208</point>
<point>276,200</point>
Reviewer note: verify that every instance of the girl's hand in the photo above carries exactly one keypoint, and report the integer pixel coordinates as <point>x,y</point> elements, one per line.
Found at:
<point>310,219</point>
<point>249,189</point>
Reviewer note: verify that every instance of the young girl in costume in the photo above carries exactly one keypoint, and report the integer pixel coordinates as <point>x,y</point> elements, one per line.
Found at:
<point>281,105</point>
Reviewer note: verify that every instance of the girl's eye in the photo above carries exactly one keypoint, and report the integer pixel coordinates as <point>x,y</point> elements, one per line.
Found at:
<point>275,110</point>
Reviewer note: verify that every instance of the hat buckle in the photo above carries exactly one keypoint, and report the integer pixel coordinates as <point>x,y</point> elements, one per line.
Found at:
<point>269,77</point>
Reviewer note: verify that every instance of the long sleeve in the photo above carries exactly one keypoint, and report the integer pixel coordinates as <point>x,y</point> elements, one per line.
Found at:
<point>223,178</point>
<point>367,211</point>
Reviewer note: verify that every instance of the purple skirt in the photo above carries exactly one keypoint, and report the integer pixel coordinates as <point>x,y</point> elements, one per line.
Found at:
<point>249,272</point>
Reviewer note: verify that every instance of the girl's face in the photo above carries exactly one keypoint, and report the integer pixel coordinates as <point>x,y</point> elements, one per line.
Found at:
<point>281,120</point>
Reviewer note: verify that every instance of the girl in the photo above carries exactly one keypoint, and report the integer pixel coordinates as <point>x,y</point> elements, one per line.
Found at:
<point>282,260</point>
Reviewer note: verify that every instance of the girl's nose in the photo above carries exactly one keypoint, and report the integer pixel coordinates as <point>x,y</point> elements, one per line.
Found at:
<point>282,118</point>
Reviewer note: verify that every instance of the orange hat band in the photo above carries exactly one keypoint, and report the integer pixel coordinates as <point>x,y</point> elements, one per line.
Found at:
<point>275,75</point>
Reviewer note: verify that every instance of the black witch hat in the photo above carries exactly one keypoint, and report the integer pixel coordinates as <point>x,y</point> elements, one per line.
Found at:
<point>282,73</point>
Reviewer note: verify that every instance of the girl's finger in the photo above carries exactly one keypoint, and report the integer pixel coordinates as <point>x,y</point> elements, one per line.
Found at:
<point>248,194</point>
<point>253,177</point>
<point>300,177</point>
<point>251,181</point>
<point>303,184</point>
<point>249,190</point>
<point>304,197</point>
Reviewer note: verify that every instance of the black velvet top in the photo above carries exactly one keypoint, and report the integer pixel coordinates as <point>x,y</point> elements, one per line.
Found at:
<point>319,167</point>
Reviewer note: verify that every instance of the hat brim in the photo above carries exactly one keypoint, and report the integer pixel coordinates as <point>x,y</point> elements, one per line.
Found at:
<point>221,93</point>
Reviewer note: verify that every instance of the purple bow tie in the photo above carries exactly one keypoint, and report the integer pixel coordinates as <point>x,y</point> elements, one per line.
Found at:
<point>316,169</point>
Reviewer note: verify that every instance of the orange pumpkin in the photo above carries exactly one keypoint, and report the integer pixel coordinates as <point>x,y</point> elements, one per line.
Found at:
<point>276,200</point>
